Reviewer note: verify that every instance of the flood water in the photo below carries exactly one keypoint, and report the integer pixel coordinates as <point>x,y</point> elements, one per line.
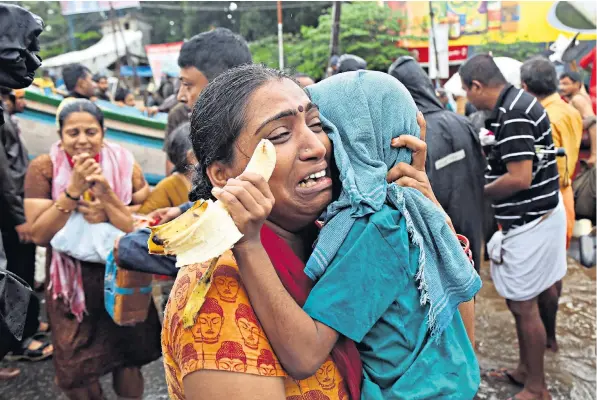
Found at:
<point>570,372</point>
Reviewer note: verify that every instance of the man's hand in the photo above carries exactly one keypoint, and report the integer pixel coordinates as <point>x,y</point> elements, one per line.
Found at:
<point>93,211</point>
<point>151,111</point>
<point>24,232</point>
<point>163,215</point>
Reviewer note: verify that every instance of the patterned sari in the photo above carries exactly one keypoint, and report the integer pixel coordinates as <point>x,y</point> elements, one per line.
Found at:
<point>228,336</point>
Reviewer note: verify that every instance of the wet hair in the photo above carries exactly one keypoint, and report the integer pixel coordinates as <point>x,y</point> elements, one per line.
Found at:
<point>540,76</point>
<point>481,68</point>
<point>72,73</point>
<point>179,144</point>
<point>572,75</point>
<point>214,52</point>
<point>99,77</point>
<point>121,94</point>
<point>69,106</point>
<point>219,116</point>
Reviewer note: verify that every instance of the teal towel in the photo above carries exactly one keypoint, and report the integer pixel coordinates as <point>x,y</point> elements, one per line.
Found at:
<point>363,111</point>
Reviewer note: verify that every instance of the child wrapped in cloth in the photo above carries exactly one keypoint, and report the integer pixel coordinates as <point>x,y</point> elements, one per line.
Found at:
<point>389,273</point>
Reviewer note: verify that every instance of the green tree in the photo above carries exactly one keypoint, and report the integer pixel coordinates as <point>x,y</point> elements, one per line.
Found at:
<point>520,51</point>
<point>367,30</point>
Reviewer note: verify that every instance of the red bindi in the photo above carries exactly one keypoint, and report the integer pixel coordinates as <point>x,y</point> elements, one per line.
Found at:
<point>301,109</point>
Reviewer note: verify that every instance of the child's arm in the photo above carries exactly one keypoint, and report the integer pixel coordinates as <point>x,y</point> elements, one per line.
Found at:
<point>301,343</point>
<point>467,312</point>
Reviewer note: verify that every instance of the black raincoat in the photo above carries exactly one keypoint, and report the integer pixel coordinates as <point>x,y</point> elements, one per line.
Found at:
<point>455,161</point>
<point>19,31</point>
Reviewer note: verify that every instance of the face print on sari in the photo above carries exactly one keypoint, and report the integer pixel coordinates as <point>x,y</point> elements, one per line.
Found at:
<point>189,357</point>
<point>227,281</point>
<point>247,324</point>
<point>211,318</point>
<point>181,291</point>
<point>266,364</point>
<point>326,375</point>
<point>310,395</point>
<point>231,357</point>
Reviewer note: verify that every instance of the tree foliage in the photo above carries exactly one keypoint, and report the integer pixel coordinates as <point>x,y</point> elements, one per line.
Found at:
<point>519,51</point>
<point>366,30</point>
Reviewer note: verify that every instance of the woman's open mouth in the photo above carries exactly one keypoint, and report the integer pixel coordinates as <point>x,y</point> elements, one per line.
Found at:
<point>311,180</point>
<point>314,182</point>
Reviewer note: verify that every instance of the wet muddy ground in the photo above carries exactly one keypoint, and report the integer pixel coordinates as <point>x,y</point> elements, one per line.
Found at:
<point>570,372</point>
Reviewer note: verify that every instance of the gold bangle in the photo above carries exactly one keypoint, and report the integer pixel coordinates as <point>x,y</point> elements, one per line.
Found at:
<point>61,209</point>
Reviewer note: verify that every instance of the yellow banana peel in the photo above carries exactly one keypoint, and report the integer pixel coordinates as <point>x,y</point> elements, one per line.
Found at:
<point>197,297</point>
<point>205,232</point>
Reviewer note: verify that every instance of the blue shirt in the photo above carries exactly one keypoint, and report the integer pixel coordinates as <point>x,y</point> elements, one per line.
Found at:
<point>369,294</point>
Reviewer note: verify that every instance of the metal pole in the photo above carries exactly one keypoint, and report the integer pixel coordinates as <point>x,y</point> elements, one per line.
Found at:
<point>112,21</point>
<point>335,37</point>
<point>280,37</point>
<point>431,15</point>
<point>71,33</point>
<point>127,54</point>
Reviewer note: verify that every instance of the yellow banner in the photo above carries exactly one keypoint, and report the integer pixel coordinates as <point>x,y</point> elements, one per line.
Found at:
<point>474,23</point>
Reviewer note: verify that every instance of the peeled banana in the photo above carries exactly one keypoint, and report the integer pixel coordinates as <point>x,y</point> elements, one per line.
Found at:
<point>206,230</point>
<point>197,297</point>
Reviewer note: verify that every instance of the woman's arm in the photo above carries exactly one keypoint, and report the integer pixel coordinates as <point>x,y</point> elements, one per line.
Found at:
<point>301,343</point>
<point>118,213</point>
<point>224,385</point>
<point>141,190</point>
<point>467,312</point>
<point>141,195</point>
<point>48,217</point>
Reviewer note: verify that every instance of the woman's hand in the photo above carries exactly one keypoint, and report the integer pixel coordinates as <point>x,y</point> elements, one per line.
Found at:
<point>164,215</point>
<point>93,211</point>
<point>249,201</point>
<point>414,175</point>
<point>84,167</point>
<point>99,185</point>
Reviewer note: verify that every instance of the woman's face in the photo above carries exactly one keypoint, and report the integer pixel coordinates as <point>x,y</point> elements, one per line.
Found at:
<point>281,112</point>
<point>81,133</point>
<point>129,100</point>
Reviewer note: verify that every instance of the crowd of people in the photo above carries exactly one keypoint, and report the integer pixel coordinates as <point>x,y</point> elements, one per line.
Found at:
<point>374,299</point>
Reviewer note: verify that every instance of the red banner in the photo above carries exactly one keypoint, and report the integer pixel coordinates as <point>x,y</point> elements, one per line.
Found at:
<point>456,54</point>
<point>163,58</point>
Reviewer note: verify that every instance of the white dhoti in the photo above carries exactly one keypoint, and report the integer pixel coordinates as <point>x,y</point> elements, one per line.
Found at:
<point>529,259</point>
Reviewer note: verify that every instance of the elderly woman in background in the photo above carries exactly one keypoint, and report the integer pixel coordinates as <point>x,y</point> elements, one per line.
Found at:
<point>87,343</point>
<point>174,190</point>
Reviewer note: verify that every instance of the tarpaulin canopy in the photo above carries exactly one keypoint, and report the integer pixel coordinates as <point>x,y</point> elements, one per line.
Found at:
<point>143,71</point>
<point>102,54</point>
